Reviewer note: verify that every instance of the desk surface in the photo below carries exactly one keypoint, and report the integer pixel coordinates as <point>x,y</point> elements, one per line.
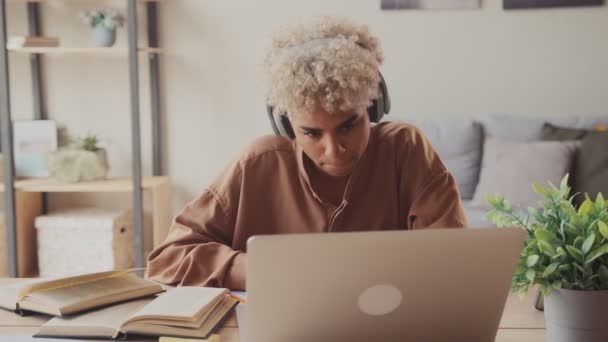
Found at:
<point>520,322</point>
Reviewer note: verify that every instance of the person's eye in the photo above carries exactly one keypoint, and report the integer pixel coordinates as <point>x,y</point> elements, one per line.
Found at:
<point>349,126</point>
<point>312,134</point>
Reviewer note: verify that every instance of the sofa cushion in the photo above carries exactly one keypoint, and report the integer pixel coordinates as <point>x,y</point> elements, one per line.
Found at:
<point>590,171</point>
<point>458,143</point>
<point>475,215</point>
<point>520,128</point>
<point>510,168</point>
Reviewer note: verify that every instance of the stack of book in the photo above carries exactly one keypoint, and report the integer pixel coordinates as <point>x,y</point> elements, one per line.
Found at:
<point>16,42</point>
<point>112,305</point>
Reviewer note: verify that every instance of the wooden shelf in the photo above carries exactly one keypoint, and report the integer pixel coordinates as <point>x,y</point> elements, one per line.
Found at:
<point>81,51</point>
<point>28,205</point>
<point>108,185</point>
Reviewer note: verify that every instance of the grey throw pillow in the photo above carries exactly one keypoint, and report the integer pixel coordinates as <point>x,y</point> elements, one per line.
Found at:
<point>510,168</point>
<point>590,172</point>
<point>458,143</point>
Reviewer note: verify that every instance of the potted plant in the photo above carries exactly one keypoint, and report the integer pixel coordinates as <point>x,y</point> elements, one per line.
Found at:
<point>81,160</point>
<point>565,254</point>
<point>104,23</point>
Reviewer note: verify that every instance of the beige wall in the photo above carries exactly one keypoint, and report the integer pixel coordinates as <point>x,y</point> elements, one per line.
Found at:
<point>438,64</point>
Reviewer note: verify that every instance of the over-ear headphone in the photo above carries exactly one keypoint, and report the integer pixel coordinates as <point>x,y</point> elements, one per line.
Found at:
<point>379,107</point>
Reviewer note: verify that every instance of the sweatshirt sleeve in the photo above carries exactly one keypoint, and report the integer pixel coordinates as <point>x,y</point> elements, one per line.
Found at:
<point>434,197</point>
<point>197,251</point>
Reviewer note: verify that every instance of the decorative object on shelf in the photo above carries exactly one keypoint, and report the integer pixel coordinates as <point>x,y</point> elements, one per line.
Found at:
<point>523,4</point>
<point>81,160</point>
<point>103,23</point>
<point>566,255</point>
<point>33,139</point>
<point>84,240</point>
<point>16,42</point>
<point>428,4</point>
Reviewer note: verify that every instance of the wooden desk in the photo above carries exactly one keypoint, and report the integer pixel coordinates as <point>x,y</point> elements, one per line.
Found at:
<point>520,322</point>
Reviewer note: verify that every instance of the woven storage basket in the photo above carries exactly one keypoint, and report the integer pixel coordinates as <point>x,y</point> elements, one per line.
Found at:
<point>84,240</point>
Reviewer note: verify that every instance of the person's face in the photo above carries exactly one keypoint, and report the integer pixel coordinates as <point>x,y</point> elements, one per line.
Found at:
<point>334,142</point>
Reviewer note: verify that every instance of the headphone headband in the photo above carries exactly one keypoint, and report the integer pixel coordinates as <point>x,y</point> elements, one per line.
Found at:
<point>380,106</point>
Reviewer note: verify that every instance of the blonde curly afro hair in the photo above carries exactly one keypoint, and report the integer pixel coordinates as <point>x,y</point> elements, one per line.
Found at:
<point>328,63</point>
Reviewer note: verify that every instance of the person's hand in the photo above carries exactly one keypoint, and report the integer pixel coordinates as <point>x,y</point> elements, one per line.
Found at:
<point>235,278</point>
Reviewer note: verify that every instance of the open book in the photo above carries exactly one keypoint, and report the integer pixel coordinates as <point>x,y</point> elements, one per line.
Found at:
<point>181,311</point>
<point>69,295</point>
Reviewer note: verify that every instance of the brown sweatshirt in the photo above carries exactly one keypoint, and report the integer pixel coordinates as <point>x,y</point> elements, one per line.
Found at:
<point>399,183</point>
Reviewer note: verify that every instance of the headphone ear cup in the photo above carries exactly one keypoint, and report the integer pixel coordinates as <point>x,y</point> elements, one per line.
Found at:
<point>386,99</point>
<point>273,124</point>
<point>377,109</point>
<point>289,133</point>
<point>280,123</point>
<point>373,112</point>
<point>380,105</point>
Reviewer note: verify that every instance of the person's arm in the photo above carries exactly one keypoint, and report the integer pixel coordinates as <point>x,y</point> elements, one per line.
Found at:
<point>197,251</point>
<point>435,199</point>
<point>438,204</point>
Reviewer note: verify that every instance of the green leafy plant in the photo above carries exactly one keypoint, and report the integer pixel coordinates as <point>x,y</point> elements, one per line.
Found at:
<point>88,142</point>
<point>566,247</point>
<point>107,17</point>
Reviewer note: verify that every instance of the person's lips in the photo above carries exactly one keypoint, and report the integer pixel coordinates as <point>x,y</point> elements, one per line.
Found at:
<point>337,168</point>
<point>337,165</point>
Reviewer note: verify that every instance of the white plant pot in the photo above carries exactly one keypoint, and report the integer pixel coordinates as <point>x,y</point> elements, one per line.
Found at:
<point>74,165</point>
<point>576,316</point>
<point>103,37</point>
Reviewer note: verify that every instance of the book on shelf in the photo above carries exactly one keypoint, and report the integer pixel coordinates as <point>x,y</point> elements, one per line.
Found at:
<point>194,312</point>
<point>70,295</point>
<point>31,41</point>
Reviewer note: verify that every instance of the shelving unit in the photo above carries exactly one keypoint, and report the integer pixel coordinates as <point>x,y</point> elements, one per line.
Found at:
<point>25,199</point>
<point>81,51</point>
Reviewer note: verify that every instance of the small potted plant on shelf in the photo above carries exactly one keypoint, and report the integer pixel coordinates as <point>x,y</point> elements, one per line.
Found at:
<point>566,255</point>
<point>104,23</point>
<point>80,160</point>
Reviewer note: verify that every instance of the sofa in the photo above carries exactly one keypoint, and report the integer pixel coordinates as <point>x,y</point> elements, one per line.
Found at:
<point>460,144</point>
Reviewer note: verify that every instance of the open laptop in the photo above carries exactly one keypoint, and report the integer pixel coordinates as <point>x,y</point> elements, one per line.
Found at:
<point>427,285</point>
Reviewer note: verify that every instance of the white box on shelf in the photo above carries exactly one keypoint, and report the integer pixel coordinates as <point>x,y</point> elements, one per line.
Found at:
<point>84,240</point>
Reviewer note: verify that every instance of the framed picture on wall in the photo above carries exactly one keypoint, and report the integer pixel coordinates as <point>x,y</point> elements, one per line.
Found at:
<point>523,4</point>
<point>32,140</point>
<point>429,4</point>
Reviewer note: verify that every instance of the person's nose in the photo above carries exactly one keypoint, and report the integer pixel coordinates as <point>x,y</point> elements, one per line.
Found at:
<point>334,148</point>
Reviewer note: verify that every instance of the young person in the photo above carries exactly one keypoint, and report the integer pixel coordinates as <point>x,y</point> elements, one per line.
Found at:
<point>334,168</point>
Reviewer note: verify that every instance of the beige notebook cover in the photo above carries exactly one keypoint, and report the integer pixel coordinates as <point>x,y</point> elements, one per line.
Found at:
<point>181,311</point>
<point>69,295</point>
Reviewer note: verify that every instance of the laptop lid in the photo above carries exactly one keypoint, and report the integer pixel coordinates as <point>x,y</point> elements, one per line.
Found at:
<point>427,285</point>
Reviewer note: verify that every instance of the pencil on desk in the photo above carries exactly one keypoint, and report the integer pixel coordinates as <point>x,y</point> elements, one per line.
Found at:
<point>239,299</point>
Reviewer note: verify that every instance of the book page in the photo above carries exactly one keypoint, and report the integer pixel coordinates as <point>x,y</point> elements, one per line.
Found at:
<point>171,321</point>
<point>181,303</point>
<point>103,322</point>
<point>205,326</point>
<point>86,295</point>
<point>9,294</point>
<point>57,283</point>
